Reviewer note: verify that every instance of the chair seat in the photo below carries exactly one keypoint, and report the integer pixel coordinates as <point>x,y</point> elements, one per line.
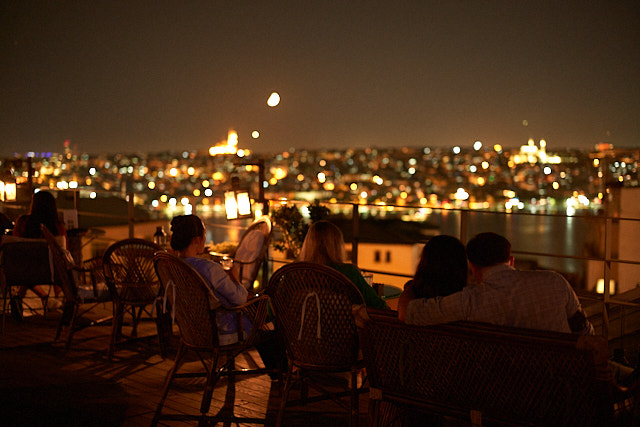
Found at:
<point>86,294</point>
<point>137,292</point>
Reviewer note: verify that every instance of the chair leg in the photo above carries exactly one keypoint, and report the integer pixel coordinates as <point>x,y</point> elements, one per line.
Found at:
<point>285,394</point>
<point>167,382</point>
<point>116,326</point>
<point>212,379</point>
<point>65,319</point>
<point>355,399</point>
<point>165,329</point>
<point>5,290</point>
<point>72,326</point>
<point>135,318</point>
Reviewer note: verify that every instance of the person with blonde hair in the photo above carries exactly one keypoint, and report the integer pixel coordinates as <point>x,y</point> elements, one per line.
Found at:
<point>324,244</point>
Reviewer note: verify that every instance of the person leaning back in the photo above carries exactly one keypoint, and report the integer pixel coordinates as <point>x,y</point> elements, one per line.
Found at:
<point>502,295</point>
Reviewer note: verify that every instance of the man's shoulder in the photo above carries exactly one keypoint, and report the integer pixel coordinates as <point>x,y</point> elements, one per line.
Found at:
<point>548,276</point>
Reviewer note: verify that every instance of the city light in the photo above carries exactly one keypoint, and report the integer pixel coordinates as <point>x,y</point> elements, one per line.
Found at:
<point>461,194</point>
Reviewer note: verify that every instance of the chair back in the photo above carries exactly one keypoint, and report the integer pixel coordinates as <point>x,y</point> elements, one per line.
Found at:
<point>63,266</point>
<point>251,251</point>
<point>312,305</point>
<point>129,271</point>
<point>25,262</point>
<point>187,292</point>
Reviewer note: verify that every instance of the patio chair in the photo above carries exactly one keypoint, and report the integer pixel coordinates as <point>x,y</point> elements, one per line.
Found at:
<point>312,307</point>
<point>23,262</point>
<point>133,286</point>
<point>191,302</point>
<point>81,286</point>
<point>251,252</point>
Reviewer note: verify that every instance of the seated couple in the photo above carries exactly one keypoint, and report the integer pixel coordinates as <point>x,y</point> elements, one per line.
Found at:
<point>499,294</point>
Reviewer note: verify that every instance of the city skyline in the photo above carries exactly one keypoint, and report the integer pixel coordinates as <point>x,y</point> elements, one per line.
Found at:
<point>142,77</point>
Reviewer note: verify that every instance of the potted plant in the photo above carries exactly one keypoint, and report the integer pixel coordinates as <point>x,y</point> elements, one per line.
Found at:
<point>293,226</point>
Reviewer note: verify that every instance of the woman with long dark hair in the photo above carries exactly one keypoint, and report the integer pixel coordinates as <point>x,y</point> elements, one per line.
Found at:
<point>43,211</point>
<point>442,271</point>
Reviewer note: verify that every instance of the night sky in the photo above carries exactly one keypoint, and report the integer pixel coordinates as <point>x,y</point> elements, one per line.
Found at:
<point>135,76</point>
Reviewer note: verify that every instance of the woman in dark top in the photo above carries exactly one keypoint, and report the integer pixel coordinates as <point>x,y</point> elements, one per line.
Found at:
<point>324,244</point>
<point>43,211</point>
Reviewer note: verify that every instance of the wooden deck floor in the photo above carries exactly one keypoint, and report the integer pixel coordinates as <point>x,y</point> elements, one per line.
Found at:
<point>41,384</point>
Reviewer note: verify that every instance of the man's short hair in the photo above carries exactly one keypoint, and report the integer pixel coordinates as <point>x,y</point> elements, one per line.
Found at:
<point>487,249</point>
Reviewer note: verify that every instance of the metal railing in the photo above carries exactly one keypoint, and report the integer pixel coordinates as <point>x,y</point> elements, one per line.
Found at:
<point>608,228</point>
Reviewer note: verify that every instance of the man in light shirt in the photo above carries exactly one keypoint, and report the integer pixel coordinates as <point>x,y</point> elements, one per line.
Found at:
<point>502,295</point>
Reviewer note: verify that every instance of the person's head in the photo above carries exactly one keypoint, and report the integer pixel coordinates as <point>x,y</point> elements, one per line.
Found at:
<point>442,269</point>
<point>43,210</point>
<point>323,244</point>
<point>187,230</point>
<point>488,249</point>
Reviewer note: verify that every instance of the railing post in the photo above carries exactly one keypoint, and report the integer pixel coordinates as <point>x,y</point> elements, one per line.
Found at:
<point>608,230</point>
<point>130,213</point>
<point>355,220</point>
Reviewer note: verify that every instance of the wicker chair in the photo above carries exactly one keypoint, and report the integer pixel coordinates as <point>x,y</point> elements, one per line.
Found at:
<point>133,285</point>
<point>192,302</point>
<point>81,286</point>
<point>251,252</point>
<point>312,306</point>
<point>23,262</point>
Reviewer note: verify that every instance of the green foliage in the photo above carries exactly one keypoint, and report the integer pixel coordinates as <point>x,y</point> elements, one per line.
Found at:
<point>293,226</point>
<point>317,211</point>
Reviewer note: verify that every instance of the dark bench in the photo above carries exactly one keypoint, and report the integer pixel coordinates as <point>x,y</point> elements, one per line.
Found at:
<point>486,374</point>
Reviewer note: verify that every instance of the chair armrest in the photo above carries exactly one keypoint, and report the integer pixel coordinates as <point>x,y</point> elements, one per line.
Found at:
<point>256,310</point>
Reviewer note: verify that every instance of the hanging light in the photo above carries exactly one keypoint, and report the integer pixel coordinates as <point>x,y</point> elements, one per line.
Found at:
<point>237,204</point>
<point>8,191</point>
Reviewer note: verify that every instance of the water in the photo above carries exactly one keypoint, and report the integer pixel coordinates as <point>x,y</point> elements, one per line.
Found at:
<point>569,236</point>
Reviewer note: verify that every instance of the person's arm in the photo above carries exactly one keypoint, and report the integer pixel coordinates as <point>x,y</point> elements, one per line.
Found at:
<point>433,311</point>
<point>406,296</point>
<point>576,317</point>
<point>579,324</point>
<point>226,289</point>
<point>353,273</point>
<point>20,226</point>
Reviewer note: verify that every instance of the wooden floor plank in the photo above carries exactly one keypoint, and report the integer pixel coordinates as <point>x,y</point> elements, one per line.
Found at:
<point>82,387</point>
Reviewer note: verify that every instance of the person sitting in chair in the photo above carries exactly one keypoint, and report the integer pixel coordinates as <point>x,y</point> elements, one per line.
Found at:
<point>188,240</point>
<point>324,244</point>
